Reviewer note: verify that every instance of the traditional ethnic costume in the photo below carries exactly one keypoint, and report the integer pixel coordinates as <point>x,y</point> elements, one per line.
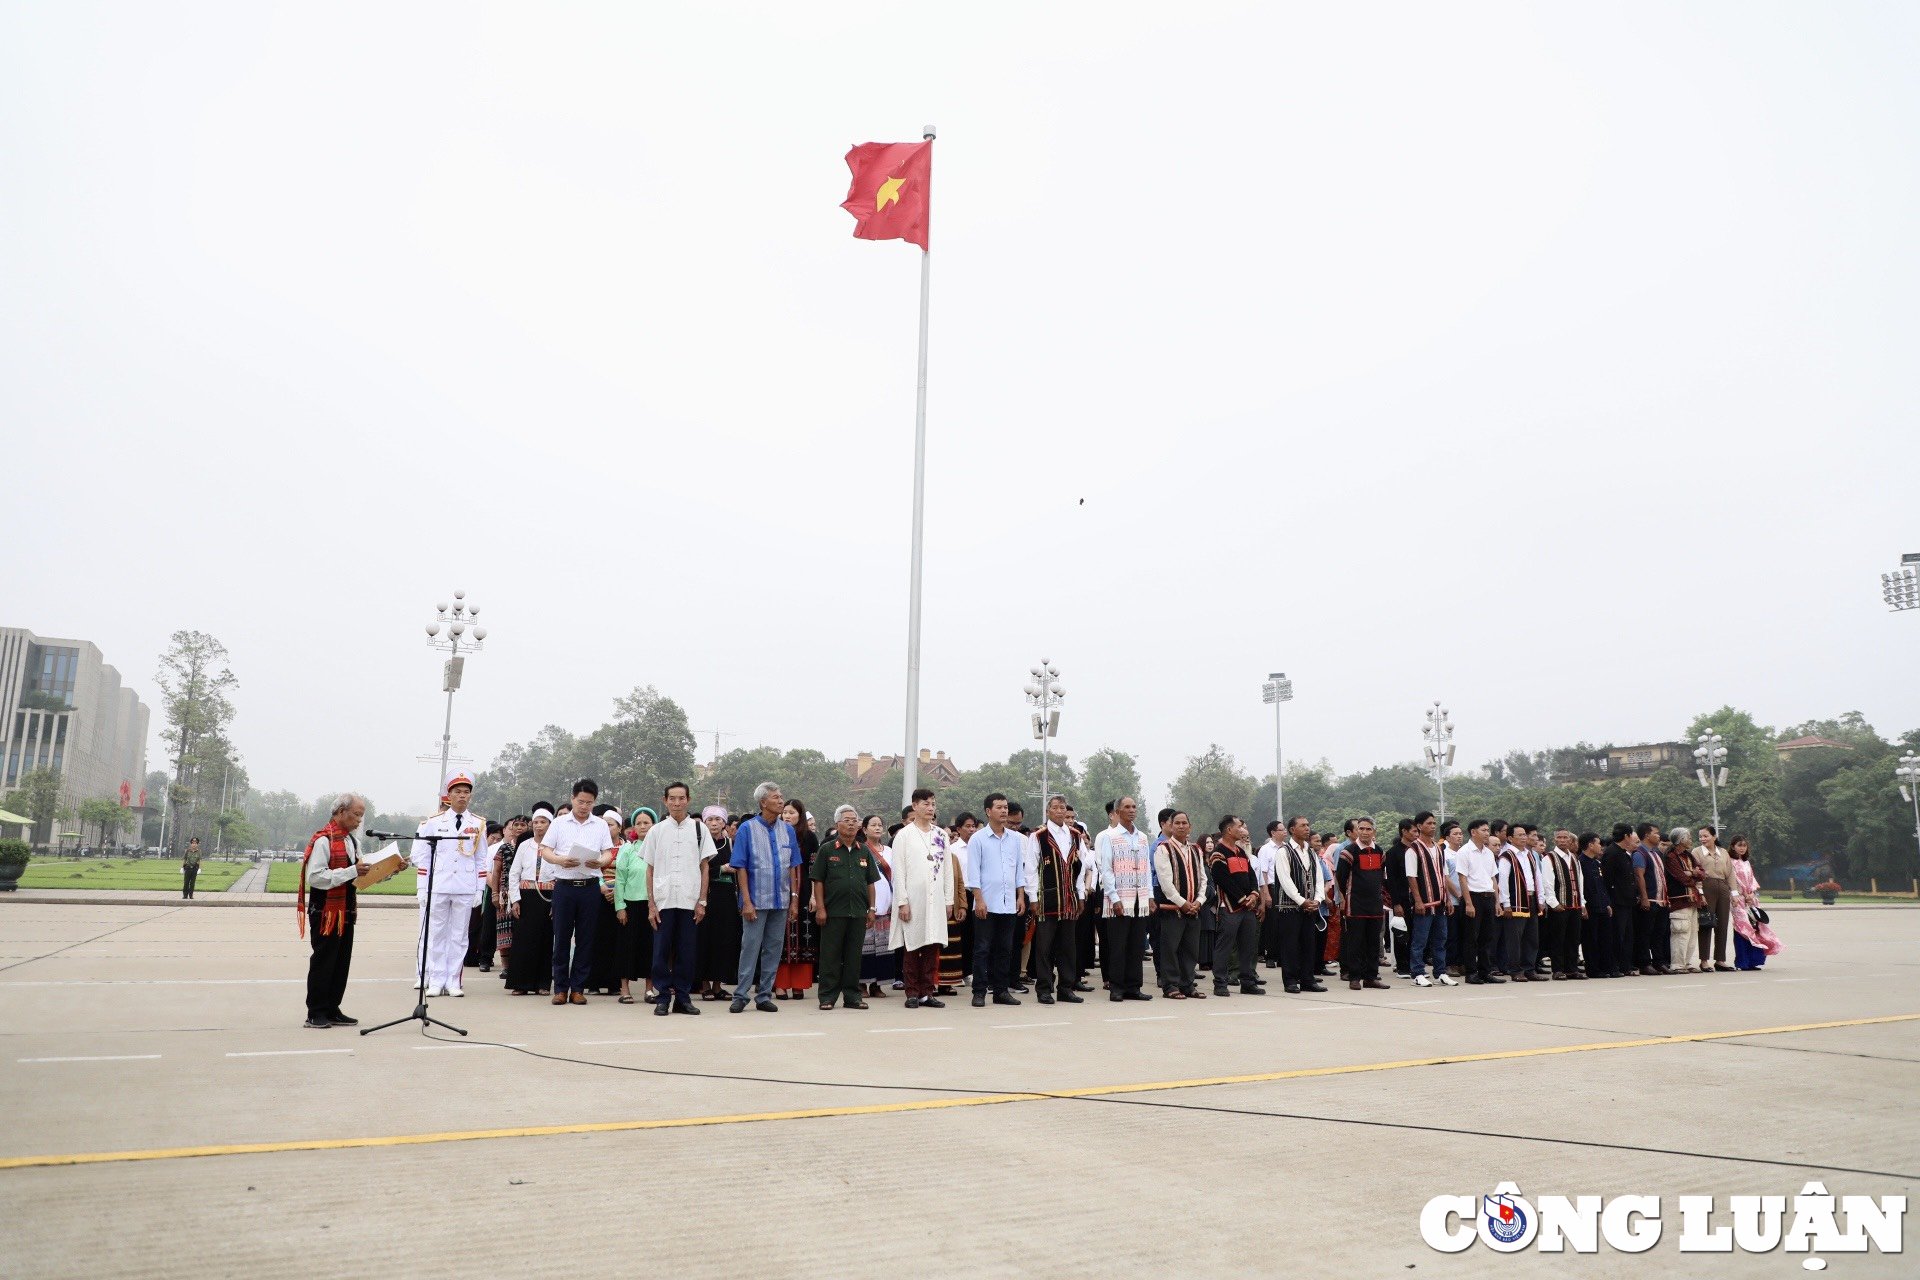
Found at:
<point>530,900</point>
<point>1361,875</point>
<point>1753,940</point>
<point>923,884</point>
<point>801,950</point>
<point>719,944</point>
<point>329,869</point>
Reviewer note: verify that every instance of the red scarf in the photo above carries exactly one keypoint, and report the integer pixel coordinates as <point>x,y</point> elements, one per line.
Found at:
<point>333,915</point>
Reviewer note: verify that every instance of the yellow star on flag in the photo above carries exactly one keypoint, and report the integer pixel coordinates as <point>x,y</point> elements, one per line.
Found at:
<point>889,193</point>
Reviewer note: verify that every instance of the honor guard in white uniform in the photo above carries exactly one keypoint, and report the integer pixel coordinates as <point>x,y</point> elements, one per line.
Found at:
<point>459,868</point>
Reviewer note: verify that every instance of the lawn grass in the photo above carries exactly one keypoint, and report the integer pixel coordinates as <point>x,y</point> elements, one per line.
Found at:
<point>154,874</point>
<point>284,877</point>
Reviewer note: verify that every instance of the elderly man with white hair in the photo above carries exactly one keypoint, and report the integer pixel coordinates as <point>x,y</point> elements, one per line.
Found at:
<point>331,866</point>
<point>766,856</point>
<point>843,876</point>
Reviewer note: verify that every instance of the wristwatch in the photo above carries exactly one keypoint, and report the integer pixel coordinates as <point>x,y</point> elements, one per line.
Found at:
<point>702,902</point>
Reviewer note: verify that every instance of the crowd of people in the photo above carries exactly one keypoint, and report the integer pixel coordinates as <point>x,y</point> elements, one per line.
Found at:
<point>671,909</point>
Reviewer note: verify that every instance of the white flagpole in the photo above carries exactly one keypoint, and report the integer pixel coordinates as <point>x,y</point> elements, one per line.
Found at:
<point>919,525</point>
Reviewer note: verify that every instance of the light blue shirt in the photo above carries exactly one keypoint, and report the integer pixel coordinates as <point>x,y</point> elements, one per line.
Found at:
<point>768,854</point>
<point>997,867</point>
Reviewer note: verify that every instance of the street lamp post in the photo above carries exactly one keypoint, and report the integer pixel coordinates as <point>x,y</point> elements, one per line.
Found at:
<point>1439,749</point>
<point>1908,772</point>
<point>1278,690</point>
<point>1710,766</point>
<point>1044,695</point>
<point>457,641</point>
<point>1901,588</point>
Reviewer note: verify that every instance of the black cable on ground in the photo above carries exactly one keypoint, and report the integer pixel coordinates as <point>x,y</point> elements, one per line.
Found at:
<point>1038,1095</point>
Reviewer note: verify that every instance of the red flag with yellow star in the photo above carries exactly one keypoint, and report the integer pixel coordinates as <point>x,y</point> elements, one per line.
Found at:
<point>892,188</point>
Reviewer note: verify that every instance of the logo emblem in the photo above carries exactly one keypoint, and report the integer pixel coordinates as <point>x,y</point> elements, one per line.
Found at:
<point>1506,1217</point>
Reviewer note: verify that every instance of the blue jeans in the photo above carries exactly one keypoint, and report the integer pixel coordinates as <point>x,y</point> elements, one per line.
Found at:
<point>761,939</point>
<point>576,909</point>
<point>1429,935</point>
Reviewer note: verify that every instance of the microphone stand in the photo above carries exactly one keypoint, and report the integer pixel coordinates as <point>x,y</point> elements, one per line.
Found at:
<point>419,1013</point>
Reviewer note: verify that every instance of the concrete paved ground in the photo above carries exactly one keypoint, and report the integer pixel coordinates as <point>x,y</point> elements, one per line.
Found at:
<point>151,1026</point>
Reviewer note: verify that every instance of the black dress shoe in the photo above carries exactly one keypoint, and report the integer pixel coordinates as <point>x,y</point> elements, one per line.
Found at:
<point>1374,984</point>
<point>766,1006</point>
<point>1116,996</point>
<point>486,968</point>
<point>1494,981</point>
<point>1018,988</point>
<point>1045,999</point>
<point>684,1005</point>
<point>1315,986</point>
<point>1253,991</point>
<point>913,1002</point>
<point>1002,997</point>
<point>928,1002</point>
<point>857,1004</point>
<point>1067,997</point>
<point>979,999</point>
<point>1137,995</point>
<point>663,1008</point>
<point>1293,988</point>
<point>340,1019</point>
<point>1083,986</point>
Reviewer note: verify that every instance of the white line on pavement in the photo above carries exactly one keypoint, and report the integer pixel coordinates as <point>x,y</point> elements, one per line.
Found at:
<point>1022,1026</point>
<point>472,1044</point>
<point>181,982</point>
<point>1331,1008</point>
<point>1151,1017</point>
<point>1471,999</point>
<point>887,1031</point>
<point>117,1057</point>
<point>777,1035</point>
<point>664,1040</point>
<point>283,1053</point>
<point>1408,1004</point>
<point>1236,1013</point>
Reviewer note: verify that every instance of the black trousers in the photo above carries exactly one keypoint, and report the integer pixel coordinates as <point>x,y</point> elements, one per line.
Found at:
<point>1481,926</point>
<point>676,953</point>
<point>1402,941</point>
<point>1652,943</point>
<point>1596,941</point>
<point>1565,928</point>
<point>192,873</point>
<point>1523,942</point>
<point>1056,963</point>
<point>1086,950</point>
<point>633,955</point>
<point>1620,948</point>
<point>327,966</point>
<point>996,941</point>
<point>1124,951</point>
<point>1360,947</point>
<point>1300,943</point>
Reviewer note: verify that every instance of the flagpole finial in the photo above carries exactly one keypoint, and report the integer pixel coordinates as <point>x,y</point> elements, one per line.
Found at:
<point>927,132</point>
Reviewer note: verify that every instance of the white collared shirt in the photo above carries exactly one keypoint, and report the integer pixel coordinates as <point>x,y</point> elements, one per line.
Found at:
<point>569,837</point>
<point>459,866</point>
<point>675,852</point>
<point>528,865</point>
<point>1478,865</point>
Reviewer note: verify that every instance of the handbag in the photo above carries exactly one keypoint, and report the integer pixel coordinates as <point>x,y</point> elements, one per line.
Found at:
<point>1757,916</point>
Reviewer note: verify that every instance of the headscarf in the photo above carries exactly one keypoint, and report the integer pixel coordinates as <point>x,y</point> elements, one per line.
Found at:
<point>714,811</point>
<point>642,809</point>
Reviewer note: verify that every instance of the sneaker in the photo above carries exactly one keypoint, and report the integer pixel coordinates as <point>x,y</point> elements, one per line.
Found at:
<point>318,1024</point>
<point>340,1019</point>
<point>1447,980</point>
<point>454,991</point>
<point>1423,981</point>
<point>930,1002</point>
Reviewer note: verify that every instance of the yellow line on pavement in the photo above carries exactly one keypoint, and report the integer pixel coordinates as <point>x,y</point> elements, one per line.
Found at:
<point>891,1108</point>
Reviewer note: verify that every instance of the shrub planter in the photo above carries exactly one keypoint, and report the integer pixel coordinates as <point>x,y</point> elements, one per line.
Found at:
<point>14,856</point>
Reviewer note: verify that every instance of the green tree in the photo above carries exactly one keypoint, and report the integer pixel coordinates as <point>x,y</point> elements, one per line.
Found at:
<point>1210,787</point>
<point>1749,744</point>
<point>106,817</point>
<point>194,686</point>
<point>38,798</point>
<point>1106,775</point>
<point>645,746</point>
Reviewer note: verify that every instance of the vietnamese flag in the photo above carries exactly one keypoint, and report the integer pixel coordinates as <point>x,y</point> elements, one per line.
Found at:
<point>892,189</point>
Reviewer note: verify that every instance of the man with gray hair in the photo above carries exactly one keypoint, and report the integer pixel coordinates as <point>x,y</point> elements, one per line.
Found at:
<point>843,876</point>
<point>766,854</point>
<point>331,866</point>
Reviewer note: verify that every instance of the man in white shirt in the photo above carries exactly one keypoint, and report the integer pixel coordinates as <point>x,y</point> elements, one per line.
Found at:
<point>1126,883</point>
<point>1478,868</point>
<point>578,844</point>
<point>328,871</point>
<point>1301,886</point>
<point>676,851</point>
<point>451,870</point>
<point>1264,875</point>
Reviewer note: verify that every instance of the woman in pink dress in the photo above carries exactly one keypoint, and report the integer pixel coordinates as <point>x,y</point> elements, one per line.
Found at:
<point>1753,941</point>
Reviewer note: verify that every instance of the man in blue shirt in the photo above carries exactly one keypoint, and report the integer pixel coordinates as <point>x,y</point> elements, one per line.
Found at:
<point>766,857</point>
<point>997,878</point>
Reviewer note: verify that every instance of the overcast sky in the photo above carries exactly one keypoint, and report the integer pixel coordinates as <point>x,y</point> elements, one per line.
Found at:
<point>1544,359</point>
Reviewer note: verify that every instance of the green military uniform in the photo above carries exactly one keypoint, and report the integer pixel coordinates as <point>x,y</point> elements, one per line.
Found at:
<point>846,872</point>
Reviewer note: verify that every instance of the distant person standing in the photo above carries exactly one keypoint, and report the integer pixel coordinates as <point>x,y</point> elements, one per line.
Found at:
<point>1126,885</point>
<point>329,869</point>
<point>577,844</point>
<point>189,867</point>
<point>922,892</point>
<point>766,856</point>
